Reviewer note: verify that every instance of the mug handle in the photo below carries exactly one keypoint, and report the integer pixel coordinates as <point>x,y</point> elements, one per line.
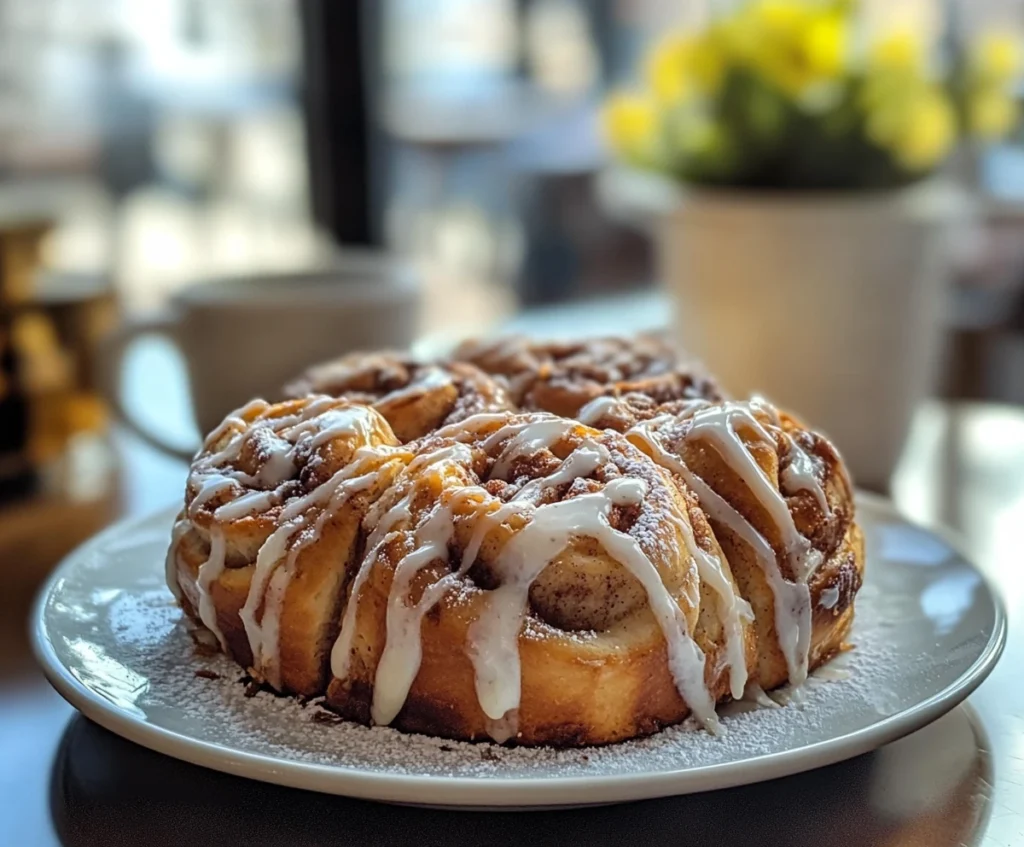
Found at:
<point>111,361</point>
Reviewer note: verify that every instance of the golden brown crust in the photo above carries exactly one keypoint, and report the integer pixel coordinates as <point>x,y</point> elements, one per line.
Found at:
<point>834,587</point>
<point>561,674</point>
<point>414,397</point>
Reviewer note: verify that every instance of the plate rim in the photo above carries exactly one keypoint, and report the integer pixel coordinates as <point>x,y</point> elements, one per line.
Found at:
<point>508,792</point>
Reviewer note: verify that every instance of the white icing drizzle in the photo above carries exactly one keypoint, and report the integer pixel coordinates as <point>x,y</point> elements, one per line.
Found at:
<point>731,606</point>
<point>792,598</point>
<point>532,436</point>
<point>756,694</point>
<point>829,597</point>
<point>400,660</point>
<point>209,571</point>
<point>276,560</point>
<point>429,379</point>
<point>718,424</point>
<point>237,420</point>
<point>251,503</point>
<point>582,462</point>
<point>800,475</point>
<point>319,422</point>
<point>341,652</point>
<point>456,453</point>
<point>211,485</point>
<point>402,654</point>
<point>493,646</point>
<point>278,464</point>
<point>759,404</point>
<point>351,421</point>
<point>486,520</point>
<point>277,438</point>
<point>399,513</point>
<point>267,631</point>
<point>453,453</point>
<point>733,609</point>
<point>598,408</point>
<point>178,531</point>
<point>476,423</point>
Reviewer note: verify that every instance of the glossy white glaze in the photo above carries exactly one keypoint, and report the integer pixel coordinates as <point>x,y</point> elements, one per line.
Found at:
<point>718,424</point>
<point>209,571</point>
<point>597,409</point>
<point>801,475</point>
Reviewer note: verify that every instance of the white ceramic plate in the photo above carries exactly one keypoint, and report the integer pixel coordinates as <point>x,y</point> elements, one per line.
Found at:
<point>929,629</point>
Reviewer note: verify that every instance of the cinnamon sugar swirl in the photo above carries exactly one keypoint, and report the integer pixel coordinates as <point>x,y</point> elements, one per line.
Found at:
<point>561,377</point>
<point>414,397</point>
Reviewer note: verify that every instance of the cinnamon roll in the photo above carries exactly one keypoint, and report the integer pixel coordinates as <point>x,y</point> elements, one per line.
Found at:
<point>529,577</point>
<point>414,397</point>
<point>262,549</point>
<point>402,541</point>
<point>561,377</point>
<point>781,505</point>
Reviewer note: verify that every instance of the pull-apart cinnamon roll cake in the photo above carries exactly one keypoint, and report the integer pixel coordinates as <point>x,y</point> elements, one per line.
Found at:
<point>413,548</point>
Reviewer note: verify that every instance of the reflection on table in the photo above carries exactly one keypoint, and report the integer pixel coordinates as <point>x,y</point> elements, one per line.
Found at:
<point>932,789</point>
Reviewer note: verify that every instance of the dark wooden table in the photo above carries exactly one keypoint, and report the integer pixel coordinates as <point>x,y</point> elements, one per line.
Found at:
<point>958,781</point>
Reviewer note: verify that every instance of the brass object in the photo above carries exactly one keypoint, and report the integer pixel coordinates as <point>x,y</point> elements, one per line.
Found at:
<point>50,326</point>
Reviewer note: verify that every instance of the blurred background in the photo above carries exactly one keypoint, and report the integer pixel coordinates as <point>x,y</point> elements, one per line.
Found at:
<point>823,199</point>
<point>147,148</point>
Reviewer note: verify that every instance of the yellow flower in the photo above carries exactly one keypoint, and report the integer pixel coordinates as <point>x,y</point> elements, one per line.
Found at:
<point>795,45</point>
<point>681,65</point>
<point>666,70</point>
<point>901,50</point>
<point>890,90</point>
<point>919,131</point>
<point>826,45</point>
<point>995,57</point>
<point>930,134</point>
<point>631,124</point>
<point>781,15</point>
<point>991,113</point>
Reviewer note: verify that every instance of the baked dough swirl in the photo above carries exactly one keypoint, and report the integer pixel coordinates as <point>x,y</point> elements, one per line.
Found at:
<point>261,552</point>
<point>415,397</point>
<point>518,564</point>
<point>781,505</point>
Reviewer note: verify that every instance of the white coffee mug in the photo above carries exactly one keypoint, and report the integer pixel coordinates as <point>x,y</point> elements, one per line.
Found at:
<point>245,337</point>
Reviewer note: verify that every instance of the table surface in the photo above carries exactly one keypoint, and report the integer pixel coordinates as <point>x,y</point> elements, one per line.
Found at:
<point>958,781</point>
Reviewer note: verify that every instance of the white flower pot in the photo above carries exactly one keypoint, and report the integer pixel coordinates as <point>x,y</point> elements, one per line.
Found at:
<point>829,305</point>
